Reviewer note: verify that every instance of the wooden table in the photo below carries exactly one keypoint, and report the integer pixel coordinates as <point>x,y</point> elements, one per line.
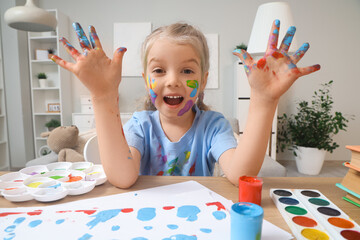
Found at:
<point>223,187</point>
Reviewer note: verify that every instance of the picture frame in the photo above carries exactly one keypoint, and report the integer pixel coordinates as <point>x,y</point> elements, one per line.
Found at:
<point>41,54</point>
<point>53,107</point>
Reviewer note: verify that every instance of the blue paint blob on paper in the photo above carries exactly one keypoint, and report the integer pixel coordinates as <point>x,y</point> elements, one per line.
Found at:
<point>10,236</point>
<point>10,228</point>
<point>115,228</point>
<point>103,216</point>
<point>205,230</point>
<point>219,215</point>
<point>139,238</point>
<point>60,221</point>
<point>19,220</point>
<point>148,227</point>
<point>86,236</point>
<point>35,223</point>
<point>180,237</point>
<point>172,226</point>
<point>146,214</point>
<point>189,212</point>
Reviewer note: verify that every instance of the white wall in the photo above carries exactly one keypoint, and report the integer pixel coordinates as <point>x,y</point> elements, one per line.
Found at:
<point>331,27</point>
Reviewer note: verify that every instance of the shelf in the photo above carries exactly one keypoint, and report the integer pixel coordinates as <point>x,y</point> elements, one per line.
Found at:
<point>41,139</point>
<point>46,114</point>
<point>45,89</point>
<point>46,61</point>
<point>45,38</point>
<point>3,142</point>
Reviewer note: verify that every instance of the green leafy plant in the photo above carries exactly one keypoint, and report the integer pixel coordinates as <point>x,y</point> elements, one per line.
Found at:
<point>53,123</point>
<point>313,125</point>
<point>41,75</point>
<point>242,46</point>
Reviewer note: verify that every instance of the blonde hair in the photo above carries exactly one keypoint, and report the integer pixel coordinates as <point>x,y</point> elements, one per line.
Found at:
<point>180,33</point>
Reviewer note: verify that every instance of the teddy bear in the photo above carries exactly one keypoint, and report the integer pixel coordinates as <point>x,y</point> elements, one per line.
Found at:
<point>66,145</point>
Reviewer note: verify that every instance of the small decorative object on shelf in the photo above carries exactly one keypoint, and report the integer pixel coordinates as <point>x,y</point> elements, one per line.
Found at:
<point>42,79</point>
<point>52,124</point>
<point>41,54</point>
<point>53,107</point>
<point>313,126</point>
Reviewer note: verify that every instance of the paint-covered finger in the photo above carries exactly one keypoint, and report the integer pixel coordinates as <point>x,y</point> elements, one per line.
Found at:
<point>300,53</point>
<point>274,36</point>
<point>69,48</point>
<point>118,54</point>
<point>244,56</point>
<point>83,40</point>
<point>286,42</point>
<point>94,39</point>
<point>62,63</point>
<point>308,70</point>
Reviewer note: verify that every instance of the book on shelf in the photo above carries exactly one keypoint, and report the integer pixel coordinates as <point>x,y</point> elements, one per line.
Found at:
<point>355,155</point>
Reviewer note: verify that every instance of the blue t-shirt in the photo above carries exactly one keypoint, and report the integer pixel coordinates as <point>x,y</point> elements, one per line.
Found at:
<point>193,155</point>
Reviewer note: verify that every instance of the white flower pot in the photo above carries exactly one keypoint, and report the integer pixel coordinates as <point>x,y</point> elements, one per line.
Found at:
<point>309,160</point>
<point>43,83</point>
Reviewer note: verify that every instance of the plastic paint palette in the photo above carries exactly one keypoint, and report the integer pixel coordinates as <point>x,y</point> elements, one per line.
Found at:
<point>46,183</point>
<point>310,215</point>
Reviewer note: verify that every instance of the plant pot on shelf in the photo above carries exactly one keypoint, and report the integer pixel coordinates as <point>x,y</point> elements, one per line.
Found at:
<point>309,160</point>
<point>43,82</point>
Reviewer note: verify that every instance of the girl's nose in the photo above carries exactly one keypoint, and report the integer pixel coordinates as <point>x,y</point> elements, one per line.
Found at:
<point>173,80</point>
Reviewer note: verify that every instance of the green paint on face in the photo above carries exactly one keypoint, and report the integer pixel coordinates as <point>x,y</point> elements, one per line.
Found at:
<point>193,84</point>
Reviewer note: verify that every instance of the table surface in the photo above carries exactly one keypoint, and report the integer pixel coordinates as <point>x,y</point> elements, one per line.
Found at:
<point>223,187</point>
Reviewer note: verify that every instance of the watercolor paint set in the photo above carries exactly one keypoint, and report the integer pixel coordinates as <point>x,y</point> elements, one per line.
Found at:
<point>310,215</point>
<point>51,182</point>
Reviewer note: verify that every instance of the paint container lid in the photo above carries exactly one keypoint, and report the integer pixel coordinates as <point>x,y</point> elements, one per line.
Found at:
<point>20,194</point>
<point>247,210</point>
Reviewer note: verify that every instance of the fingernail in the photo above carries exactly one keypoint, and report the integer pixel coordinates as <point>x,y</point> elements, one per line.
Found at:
<point>292,30</point>
<point>122,49</point>
<point>277,22</point>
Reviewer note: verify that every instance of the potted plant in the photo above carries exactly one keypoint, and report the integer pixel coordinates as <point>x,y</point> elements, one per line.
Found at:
<point>311,129</point>
<point>42,79</point>
<point>52,124</point>
<point>241,46</point>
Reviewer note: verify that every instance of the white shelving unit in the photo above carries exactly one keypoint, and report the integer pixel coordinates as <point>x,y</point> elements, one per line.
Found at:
<point>4,145</point>
<point>58,90</point>
<point>242,106</point>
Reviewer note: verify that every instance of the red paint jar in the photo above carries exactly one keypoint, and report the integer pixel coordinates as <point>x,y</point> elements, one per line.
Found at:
<point>250,189</point>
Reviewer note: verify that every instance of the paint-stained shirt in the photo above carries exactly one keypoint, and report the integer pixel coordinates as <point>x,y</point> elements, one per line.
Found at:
<point>193,155</point>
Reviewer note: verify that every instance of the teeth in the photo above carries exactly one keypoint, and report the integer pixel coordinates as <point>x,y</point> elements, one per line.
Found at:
<point>173,96</point>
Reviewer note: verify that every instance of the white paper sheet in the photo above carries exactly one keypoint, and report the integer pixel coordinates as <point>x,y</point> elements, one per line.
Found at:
<point>153,213</point>
<point>131,36</point>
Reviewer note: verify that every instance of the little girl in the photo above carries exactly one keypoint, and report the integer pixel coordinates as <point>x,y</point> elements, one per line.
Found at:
<point>180,137</point>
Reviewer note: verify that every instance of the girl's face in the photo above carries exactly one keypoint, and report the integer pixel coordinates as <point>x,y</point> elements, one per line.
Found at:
<point>174,77</point>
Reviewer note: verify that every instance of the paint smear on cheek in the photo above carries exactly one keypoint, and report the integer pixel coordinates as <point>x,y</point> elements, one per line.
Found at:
<point>151,85</point>
<point>193,84</point>
<point>186,108</point>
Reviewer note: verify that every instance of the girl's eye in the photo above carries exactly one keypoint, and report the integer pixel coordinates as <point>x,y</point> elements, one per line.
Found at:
<point>188,71</point>
<point>158,70</point>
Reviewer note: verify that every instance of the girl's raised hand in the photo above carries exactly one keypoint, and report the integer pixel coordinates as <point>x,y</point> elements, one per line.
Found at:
<point>100,74</point>
<point>271,76</point>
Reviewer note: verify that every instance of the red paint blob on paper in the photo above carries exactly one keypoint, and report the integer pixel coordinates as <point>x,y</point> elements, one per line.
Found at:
<point>88,212</point>
<point>4,214</point>
<point>127,210</point>
<point>63,211</point>
<point>218,204</point>
<point>34,213</point>
<point>168,207</point>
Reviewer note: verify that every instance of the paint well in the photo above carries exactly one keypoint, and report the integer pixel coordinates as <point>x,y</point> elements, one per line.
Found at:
<point>288,201</point>
<point>296,210</point>
<point>350,234</point>
<point>329,211</point>
<point>304,221</point>
<point>314,234</point>
<point>319,201</point>
<point>309,193</point>
<point>282,193</point>
<point>340,222</point>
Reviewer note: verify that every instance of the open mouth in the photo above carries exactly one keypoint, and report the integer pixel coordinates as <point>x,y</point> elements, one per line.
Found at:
<point>173,100</point>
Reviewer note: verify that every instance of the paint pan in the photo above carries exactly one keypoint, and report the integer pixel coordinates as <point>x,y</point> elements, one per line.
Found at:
<point>81,166</point>
<point>302,222</point>
<point>49,193</point>
<point>338,224</point>
<point>34,170</point>
<point>20,194</point>
<point>80,187</point>
<point>12,180</point>
<point>95,173</point>
<point>59,166</point>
